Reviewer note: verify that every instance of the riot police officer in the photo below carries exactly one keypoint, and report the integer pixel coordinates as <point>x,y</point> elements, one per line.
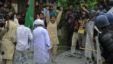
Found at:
<point>109,15</point>
<point>105,37</point>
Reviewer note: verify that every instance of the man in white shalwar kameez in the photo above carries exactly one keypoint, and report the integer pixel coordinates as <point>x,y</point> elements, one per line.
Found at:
<point>41,43</point>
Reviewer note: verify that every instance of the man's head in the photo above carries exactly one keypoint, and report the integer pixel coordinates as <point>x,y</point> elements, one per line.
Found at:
<point>21,21</point>
<point>102,22</point>
<point>52,19</point>
<point>47,6</point>
<point>41,15</point>
<point>92,14</point>
<point>38,22</point>
<point>7,17</point>
<point>37,16</point>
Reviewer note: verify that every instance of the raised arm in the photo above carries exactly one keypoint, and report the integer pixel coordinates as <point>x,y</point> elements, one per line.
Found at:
<point>59,16</point>
<point>47,17</point>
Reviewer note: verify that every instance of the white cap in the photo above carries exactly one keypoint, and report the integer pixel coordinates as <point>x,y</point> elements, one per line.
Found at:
<point>38,22</point>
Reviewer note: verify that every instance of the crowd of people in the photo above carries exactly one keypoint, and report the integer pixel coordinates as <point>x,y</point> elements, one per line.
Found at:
<point>16,39</point>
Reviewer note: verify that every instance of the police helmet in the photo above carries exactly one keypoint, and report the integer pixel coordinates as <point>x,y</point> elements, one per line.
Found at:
<point>110,17</point>
<point>101,21</point>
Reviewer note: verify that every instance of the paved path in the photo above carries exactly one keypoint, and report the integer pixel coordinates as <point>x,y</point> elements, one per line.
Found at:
<point>61,59</point>
<point>64,59</point>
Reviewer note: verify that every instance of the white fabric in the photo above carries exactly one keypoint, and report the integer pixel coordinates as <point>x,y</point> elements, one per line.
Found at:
<point>38,22</point>
<point>41,44</point>
<point>24,35</point>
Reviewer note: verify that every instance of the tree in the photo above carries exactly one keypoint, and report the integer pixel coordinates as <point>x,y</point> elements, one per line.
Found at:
<point>91,4</point>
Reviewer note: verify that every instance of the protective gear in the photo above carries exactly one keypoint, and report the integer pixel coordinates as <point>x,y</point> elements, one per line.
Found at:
<point>101,21</point>
<point>110,17</point>
<point>106,39</point>
<point>100,13</point>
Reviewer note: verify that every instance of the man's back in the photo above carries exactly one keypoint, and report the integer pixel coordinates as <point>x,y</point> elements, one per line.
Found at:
<point>41,42</point>
<point>39,35</point>
<point>23,37</point>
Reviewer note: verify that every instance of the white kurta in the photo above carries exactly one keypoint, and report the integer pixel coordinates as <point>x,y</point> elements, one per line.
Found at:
<point>24,37</point>
<point>41,42</point>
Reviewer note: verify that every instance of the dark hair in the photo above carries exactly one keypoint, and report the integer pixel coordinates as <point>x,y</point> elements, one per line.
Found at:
<point>52,16</point>
<point>12,16</point>
<point>41,13</point>
<point>2,24</point>
<point>7,17</point>
<point>21,21</point>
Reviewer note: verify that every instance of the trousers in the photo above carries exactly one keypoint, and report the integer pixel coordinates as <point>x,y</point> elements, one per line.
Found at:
<point>74,42</point>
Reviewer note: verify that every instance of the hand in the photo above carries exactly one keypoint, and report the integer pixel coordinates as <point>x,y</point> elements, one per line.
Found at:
<point>85,9</point>
<point>15,43</point>
<point>57,11</point>
<point>61,8</point>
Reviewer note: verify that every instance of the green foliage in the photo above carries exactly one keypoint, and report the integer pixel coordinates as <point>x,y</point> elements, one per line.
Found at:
<point>62,3</point>
<point>91,4</point>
